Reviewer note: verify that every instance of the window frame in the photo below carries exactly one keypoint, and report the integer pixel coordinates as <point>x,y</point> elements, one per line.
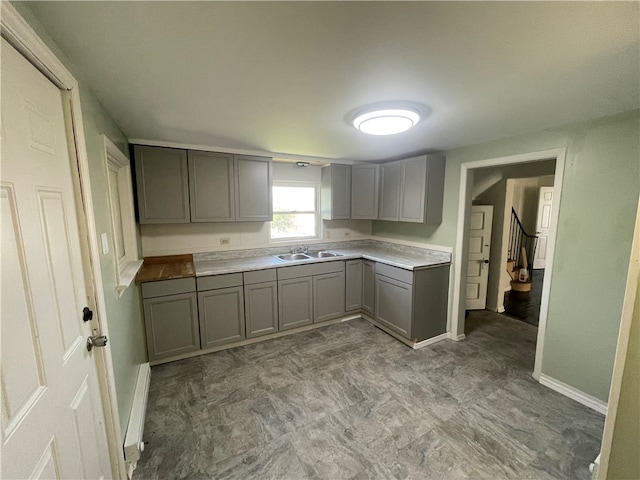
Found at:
<point>127,263</point>
<point>318,221</point>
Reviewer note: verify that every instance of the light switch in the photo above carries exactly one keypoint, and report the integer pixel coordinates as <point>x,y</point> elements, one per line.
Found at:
<point>105,243</point>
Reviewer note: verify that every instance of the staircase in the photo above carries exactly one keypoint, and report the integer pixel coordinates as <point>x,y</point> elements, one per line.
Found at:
<point>522,248</point>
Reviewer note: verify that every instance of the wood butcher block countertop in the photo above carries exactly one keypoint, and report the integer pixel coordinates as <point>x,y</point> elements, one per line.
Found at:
<point>166,268</point>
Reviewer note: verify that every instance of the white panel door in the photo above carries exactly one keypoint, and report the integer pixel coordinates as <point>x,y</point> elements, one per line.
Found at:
<point>479,249</point>
<point>543,223</point>
<point>52,419</point>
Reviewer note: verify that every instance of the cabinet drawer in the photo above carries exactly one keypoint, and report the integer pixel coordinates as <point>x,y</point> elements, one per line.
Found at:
<point>260,276</point>
<point>401,274</point>
<point>219,281</point>
<point>310,270</point>
<point>168,287</point>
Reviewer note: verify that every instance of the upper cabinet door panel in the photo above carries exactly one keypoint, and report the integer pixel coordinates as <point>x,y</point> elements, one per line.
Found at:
<point>364,191</point>
<point>253,188</point>
<point>162,185</point>
<point>390,191</point>
<point>412,193</point>
<point>211,187</point>
<point>335,192</point>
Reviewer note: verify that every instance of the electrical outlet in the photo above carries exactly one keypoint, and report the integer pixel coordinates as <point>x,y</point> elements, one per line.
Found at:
<point>328,234</point>
<point>225,241</point>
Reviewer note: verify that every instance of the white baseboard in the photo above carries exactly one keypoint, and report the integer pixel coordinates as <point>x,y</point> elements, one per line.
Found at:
<point>133,444</point>
<point>458,338</point>
<point>500,309</point>
<point>430,341</point>
<point>573,393</point>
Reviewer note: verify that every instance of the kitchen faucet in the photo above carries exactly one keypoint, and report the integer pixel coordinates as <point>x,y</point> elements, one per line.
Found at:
<point>301,249</point>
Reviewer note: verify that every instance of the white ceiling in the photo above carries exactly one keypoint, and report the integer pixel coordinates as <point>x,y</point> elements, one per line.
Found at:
<point>282,77</point>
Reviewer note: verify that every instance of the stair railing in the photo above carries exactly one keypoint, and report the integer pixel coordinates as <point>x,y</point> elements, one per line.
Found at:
<point>519,238</point>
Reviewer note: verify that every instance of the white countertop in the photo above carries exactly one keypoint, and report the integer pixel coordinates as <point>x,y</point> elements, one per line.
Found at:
<point>412,259</point>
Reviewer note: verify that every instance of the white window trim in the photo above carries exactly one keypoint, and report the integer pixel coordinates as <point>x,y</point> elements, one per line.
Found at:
<point>128,266</point>
<point>292,183</point>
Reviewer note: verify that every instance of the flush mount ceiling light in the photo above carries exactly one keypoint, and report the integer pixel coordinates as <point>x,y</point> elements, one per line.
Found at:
<point>385,119</point>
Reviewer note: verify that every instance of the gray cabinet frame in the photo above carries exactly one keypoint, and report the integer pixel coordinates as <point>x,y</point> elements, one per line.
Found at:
<point>211,187</point>
<point>221,314</point>
<point>365,180</point>
<point>295,303</point>
<point>335,192</point>
<point>253,193</point>
<point>261,308</point>
<point>328,296</point>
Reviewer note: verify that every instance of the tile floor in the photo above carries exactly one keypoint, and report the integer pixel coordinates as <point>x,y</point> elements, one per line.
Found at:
<point>350,402</point>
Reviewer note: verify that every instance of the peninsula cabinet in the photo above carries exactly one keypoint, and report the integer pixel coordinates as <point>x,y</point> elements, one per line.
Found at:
<point>412,303</point>
<point>364,191</point>
<point>171,317</point>
<point>162,184</point>
<point>261,302</point>
<point>335,192</point>
<point>412,190</point>
<point>221,309</point>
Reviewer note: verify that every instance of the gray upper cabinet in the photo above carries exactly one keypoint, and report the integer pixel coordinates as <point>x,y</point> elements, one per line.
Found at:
<point>353,285</point>
<point>390,175</point>
<point>211,187</point>
<point>422,189</point>
<point>254,177</point>
<point>335,192</point>
<point>364,191</point>
<point>162,185</point>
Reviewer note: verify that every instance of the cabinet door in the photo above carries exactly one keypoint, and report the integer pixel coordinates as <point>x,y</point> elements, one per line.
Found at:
<point>253,188</point>
<point>162,185</point>
<point>211,187</point>
<point>394,304</point>
<point>172,325</point>
<point>295,307</point>
<point>335,192</point>
<point>353,285</point>
<point>261,308</point>
<point>368,287</point>
<point>328,296</point>
<point>412,190</point>
<point>221,316</point>
<point>364,191</point>
<point>390,191</point>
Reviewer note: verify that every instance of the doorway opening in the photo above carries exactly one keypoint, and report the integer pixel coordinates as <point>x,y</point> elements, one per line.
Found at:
<point>479,181</point>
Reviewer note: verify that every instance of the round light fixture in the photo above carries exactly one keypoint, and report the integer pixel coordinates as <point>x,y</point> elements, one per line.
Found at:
<point>386,121</point>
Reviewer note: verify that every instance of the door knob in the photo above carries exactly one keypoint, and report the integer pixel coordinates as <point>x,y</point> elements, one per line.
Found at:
<point>96,341</point>
<point>486,261</point>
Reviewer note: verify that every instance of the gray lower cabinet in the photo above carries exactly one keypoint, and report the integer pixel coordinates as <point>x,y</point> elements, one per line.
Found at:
<point>310,293</point>
<point>162,185</point>
<point>260,302</point>
<point>412,303</point>
<point>328,296</point>
<point>368,287</point>
<point>171,318</point>
<point>393,304</point>
<point>353,285</point>
<point>295,305</point>
<point>221,309</point>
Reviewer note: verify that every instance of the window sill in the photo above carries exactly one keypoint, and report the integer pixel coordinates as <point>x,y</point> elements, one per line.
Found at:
<point>126,274</point>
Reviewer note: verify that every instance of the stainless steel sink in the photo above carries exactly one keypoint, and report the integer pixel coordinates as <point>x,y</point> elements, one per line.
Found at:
<point>322,254</point>
<point>292,256</point>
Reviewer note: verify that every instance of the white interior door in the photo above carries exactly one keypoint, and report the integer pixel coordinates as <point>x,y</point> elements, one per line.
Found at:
<point>52,418</point>
<point>543,223</point>
<point>479,249</point>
